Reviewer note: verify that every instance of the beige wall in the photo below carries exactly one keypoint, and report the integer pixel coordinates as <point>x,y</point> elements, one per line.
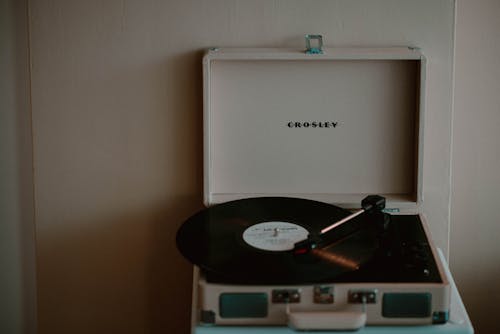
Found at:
<point>475,218</point>
<point>117,144</point>
<point>118,138</point>
<point>17,255</point>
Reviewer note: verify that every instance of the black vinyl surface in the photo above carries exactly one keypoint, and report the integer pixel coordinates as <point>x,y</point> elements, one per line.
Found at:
<point>404,255</point>
<point>212,239</point>
<point>370,248</point>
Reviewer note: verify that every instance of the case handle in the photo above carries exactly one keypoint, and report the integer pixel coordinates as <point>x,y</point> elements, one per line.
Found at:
<point>326,320</point>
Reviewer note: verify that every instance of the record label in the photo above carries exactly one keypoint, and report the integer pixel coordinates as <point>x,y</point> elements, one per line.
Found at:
<point>274,235</point>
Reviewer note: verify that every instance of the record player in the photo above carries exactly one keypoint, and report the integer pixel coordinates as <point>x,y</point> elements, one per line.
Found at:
<point>313,187</point>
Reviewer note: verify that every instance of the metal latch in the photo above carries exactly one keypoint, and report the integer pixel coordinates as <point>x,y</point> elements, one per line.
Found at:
<point>362,296</point>
<point>314,44</point>
<point>323,294</point>
<point>286,296</point>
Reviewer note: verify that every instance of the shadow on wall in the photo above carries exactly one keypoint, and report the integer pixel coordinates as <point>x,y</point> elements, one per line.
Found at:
<point>17,261</point>
<point>109,263</point>
<point>479,295</point>
<point>120,275</point>
<point>170,280</point>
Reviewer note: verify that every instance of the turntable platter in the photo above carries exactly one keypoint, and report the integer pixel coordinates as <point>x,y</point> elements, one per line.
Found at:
<point>251,241</point>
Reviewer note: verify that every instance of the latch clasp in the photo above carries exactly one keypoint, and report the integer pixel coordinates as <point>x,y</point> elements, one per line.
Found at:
<point>314,44</point>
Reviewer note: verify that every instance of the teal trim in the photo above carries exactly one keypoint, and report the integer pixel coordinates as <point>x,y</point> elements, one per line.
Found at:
<point>314,51</point>
<point>406,305</point>
<point>391,210</point>
<point>440,317</point>
<point>243,305</point>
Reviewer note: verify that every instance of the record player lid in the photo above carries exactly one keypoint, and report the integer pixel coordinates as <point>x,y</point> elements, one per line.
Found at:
<point>331,127</point>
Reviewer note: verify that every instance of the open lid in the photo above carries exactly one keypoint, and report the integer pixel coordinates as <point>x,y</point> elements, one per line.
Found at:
<point>333,127</point>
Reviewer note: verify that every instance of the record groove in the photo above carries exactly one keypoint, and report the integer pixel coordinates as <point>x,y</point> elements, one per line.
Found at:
<point>228,243</point>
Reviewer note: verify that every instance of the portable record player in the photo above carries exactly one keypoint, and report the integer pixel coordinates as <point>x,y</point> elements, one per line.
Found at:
<point>294,143</point>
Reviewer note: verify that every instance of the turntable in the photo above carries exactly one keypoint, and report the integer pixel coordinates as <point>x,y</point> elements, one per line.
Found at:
<point>296,144</point>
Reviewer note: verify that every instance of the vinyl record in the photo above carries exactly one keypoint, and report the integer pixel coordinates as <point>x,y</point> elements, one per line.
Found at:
<point>250,241</point>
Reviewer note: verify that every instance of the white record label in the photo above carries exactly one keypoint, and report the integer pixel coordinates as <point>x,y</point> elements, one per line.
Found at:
<point>274,236</point>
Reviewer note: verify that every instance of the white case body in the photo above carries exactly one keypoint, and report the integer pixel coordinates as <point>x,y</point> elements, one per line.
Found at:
<point>254,102</point>
<point>341,315</point>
